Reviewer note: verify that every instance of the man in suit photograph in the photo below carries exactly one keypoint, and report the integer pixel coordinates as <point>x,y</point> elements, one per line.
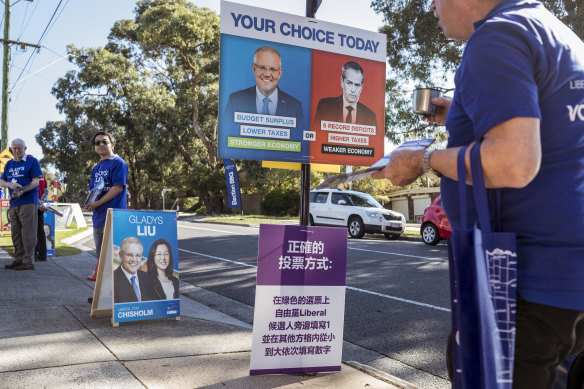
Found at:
<point>346,108</point>
<point>264,97</point>
<point>130,283</point>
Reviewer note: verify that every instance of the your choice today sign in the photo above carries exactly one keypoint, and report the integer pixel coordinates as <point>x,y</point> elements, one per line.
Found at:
<point>259,23</point>
<point>300,299</point>
<point>311,54</point>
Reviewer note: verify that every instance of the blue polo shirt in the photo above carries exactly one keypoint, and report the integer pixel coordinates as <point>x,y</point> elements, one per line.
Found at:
<point>113,171</point>
<point>521,61</point>
<point>22,172</point>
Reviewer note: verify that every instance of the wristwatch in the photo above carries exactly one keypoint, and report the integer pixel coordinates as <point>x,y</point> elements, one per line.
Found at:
<point>428,171</point>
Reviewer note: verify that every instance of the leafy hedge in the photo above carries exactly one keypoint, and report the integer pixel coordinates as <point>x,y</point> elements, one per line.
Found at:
<point>281,202</point>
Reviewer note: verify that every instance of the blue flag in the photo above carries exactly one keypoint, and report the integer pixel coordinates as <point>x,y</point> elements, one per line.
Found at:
<point>233,193</point>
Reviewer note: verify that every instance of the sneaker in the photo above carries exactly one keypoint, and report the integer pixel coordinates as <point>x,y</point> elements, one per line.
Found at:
<point>11,265</point>
<point>92,278</point>
<point>24,266</point>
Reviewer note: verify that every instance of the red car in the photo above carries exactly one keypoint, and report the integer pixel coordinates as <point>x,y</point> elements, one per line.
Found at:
<point>435,224</point>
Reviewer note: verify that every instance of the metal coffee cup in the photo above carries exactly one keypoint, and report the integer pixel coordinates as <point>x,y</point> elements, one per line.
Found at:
<point>422,100</point>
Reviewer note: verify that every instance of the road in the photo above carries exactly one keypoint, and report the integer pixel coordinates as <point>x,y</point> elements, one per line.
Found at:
<point>397,298</point>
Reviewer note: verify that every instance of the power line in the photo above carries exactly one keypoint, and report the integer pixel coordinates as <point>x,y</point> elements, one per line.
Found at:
<point>49,23</point>
<point>25,25</point>
<point>40,39</point>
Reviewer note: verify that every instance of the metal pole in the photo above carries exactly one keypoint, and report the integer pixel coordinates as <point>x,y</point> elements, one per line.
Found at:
<point>305,167</point>
<point>5,77</point>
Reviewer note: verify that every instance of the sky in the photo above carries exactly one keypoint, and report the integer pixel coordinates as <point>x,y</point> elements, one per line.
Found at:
<point>54,24</point>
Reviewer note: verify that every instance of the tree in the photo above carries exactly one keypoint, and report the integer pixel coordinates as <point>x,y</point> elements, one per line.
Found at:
<point>180,42</point>
<point>155,87</point>
<point>419,54</point>
<point>66,146</point>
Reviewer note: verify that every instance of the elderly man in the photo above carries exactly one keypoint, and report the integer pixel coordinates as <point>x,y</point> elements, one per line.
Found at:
<point>265,97</point>
<point>108,183</point>
<point>130,283</point>
<point>346,108</point>
<point>21,176</point>
<point>520,91</point>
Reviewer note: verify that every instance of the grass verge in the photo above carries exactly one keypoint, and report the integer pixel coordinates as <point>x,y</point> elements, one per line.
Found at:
<point>61,249</point>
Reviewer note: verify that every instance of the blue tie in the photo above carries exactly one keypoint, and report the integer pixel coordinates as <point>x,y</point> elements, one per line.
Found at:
<point>265,110</point>
<point>136,289</point>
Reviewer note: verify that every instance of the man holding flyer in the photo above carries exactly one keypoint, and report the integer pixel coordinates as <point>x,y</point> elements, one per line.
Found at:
<point>107,187</point>
<point>521,104</point>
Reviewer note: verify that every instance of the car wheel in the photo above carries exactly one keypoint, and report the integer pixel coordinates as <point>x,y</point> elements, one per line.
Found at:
<point>311,221</point>
<point>392,236</point>
<point>356,228</point>
<point>430,234</point>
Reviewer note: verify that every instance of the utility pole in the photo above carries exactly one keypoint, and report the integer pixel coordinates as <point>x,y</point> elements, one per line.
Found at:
<point>5,70</point>
<point>5,73</point>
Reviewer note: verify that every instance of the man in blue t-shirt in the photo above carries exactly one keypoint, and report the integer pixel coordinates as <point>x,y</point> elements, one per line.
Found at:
<point>21,176</point>
<point>520,92</point>
<point>108,183</point>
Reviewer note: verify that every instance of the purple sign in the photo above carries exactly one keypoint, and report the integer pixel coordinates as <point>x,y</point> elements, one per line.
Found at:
<point>300,300</point>
<point>302,255</point>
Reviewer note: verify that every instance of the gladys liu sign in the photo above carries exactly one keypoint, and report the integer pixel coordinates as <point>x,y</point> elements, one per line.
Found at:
<point>137,277</point>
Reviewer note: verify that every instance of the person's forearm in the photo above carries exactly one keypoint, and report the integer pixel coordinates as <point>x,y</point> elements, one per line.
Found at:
<point>4,184</point>
<point>510,155</point>
<point>113,192</point>
<point>34,183</point>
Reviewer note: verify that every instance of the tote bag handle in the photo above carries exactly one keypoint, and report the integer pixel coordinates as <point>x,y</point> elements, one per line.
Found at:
<point>478,188</point>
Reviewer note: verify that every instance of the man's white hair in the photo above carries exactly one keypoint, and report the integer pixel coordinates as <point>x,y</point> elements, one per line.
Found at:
<point>18,141</point>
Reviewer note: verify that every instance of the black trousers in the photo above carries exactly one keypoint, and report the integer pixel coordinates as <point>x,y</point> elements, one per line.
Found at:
<point>41,245</point>
<point>545,336</point>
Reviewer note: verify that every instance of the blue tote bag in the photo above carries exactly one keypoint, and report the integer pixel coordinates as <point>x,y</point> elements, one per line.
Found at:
<point>483,279</point>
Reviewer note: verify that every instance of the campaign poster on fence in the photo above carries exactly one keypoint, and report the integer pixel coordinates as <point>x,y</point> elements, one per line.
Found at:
<point>4,205</point>
<point>145,265</point>
<point>300,299</point>
<point>49,229</point>
<point>296,89</point>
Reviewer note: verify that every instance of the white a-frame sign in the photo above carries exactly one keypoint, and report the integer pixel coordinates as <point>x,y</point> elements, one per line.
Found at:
<point>137,277</point>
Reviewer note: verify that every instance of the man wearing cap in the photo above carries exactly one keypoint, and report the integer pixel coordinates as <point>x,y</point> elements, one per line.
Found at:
<point>21,176</point>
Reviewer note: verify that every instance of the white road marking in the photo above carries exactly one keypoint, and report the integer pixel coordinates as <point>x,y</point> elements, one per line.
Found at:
<point>348,287</point>
<point>218,258</point>
<point>213,230</point>
<point>399,299</point>
<point>401,255</point>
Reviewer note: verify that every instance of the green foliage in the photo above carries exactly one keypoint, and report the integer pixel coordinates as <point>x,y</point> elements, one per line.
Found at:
<point>281,202</point>
<point>253,178</point>
<point>189,204</point>
<point>202,210</point>
<point>155,87</point>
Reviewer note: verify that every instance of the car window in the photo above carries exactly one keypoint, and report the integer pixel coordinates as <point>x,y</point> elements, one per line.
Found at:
<point>321,198</point>
<point>338,196</point>
<point>364,200</point>
<point>312,197</point>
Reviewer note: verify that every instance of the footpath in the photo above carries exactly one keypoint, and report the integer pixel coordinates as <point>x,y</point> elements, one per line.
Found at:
<point>48,340</point>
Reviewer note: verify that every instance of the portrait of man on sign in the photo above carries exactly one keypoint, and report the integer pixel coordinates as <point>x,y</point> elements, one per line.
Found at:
<point>130,283</point>
<point>265,97</point>
<point>346,108</point>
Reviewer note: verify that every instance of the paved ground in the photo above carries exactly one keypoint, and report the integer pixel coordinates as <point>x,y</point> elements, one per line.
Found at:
<point>48,340</point>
